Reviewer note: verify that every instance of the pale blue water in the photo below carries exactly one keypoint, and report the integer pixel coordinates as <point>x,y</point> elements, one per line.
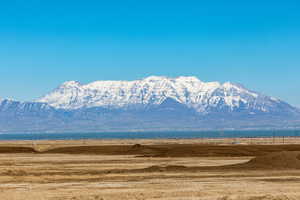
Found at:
<point>147,135</point>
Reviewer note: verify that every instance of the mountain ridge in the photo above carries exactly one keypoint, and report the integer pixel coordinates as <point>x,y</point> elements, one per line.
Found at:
<point>153,90</point>
<point>153,103</point>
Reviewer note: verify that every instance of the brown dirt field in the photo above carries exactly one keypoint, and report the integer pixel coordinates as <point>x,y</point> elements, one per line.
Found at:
<point>164,150</point>
<point>17,150</point>
<point>176,150</point>
<point>277,160</point>
<point>151,170</point>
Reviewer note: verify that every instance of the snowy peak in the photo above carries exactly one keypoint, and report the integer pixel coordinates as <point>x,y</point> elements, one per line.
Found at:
<point>152,103</point>
<point>188,79</point>
<point>70,84</point>
<point>178,79</point>
<point>156,78</point>
<point>151,90</point>
<point>5,101</point>
<point>203,97</point>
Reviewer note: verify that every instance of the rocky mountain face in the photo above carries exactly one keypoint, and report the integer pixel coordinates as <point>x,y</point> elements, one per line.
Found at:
<point>154,103</point>
<point>203,98</point>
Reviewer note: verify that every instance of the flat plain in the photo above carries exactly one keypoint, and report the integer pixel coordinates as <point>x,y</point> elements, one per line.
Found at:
<point>202,169</point>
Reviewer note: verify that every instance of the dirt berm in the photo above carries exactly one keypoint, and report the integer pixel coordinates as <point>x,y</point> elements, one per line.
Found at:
<point>273,161</point>
<point>177,150</point>
<point>277,160</point>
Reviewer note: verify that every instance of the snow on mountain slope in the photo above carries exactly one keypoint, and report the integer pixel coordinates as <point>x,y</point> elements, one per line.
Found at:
<point>204,97</point>
<point>7,105</point>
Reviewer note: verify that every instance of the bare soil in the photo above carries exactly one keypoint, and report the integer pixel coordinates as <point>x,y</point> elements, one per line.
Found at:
<point>176,150</point>
<point>151,170</point>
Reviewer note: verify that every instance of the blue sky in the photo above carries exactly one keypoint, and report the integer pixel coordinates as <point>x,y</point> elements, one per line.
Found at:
<point>44,43</point>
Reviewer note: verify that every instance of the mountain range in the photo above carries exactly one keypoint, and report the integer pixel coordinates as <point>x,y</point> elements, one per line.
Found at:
<point>154,103</point>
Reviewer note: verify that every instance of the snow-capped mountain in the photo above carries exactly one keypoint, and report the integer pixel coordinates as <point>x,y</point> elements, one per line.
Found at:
<point>203,97</point>
<point>154,103</point>
<point>8,104</point>
<point>18,116</point>
<point>17,110</point>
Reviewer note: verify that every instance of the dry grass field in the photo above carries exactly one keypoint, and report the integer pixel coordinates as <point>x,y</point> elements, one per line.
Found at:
<point>194,169</point>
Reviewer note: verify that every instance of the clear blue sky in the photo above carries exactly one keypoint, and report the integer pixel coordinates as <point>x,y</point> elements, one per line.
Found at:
<point>44,43</point>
